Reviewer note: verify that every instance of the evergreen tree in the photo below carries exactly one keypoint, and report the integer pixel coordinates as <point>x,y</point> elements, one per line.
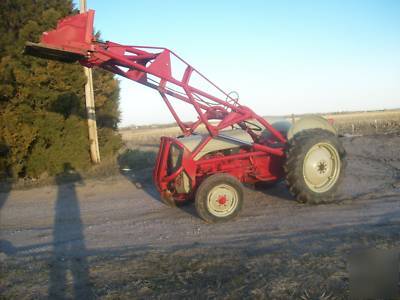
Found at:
<point>42,106</point>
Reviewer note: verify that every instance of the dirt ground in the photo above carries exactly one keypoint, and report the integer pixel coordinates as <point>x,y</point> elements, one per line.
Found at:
<point>114,239</point>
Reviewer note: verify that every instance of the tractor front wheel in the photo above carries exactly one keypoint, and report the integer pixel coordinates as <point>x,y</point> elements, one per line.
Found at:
<point>314,166</point>
<point>219,198</point>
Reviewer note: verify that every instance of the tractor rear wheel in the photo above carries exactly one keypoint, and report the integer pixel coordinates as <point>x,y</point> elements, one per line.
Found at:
<point>314,166</point>
<point>219,198</point>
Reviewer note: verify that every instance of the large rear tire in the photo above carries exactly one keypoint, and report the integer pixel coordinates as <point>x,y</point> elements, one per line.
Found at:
<point>219,198</point>
<point>314,167</point>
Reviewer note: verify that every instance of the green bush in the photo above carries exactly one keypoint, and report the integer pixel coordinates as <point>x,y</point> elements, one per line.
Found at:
<point>109,142</point>
<point>136,159</point>
<point>42,105</point>
<point>59,143</point>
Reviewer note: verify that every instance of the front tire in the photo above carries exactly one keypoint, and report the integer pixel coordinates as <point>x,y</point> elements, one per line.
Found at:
<point>219,198</point>
<point>314,167</point>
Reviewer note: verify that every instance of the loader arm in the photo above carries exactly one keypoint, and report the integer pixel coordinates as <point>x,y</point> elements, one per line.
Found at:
<point>157,68</point>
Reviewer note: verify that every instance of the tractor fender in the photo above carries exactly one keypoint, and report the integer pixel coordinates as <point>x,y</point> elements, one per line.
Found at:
<point>310,122</point>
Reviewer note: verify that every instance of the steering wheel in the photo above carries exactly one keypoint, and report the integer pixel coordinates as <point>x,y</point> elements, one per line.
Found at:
<point>234,99</point>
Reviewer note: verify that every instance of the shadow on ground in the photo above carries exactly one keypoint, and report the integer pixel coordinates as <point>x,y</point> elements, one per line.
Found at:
<point>68,240</point>
<point>277,189</point>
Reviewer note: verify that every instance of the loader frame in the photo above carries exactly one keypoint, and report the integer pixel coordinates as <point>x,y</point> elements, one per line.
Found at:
<point>156,67</point>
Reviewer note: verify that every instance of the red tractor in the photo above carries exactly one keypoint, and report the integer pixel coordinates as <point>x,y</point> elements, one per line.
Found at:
<point>237,145</point>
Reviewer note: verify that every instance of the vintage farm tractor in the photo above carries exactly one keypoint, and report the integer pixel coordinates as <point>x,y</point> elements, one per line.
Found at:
<point>238,145</point>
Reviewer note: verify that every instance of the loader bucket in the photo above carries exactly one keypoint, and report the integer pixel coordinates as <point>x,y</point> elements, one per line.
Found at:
<point>44,51</point>
<point>69,42</point>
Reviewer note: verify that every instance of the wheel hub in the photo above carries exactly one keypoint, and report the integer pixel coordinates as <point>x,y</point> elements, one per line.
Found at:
<point>322,167</point>
<point>222,199</point>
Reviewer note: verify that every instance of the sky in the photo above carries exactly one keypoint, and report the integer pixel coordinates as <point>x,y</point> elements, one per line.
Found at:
<point>282,57</point>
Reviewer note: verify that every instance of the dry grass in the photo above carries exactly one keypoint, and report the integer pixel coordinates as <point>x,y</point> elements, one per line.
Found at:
<point>108,168</point>
<point>374,122</point>
<point>147,137</point>
<point>299,268</point>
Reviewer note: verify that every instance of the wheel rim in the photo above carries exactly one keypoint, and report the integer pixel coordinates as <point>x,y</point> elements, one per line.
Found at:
<point>321,167</point>
<point>222,200</point>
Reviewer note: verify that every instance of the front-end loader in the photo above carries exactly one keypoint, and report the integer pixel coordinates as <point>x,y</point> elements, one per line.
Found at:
<point>238,146</point>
